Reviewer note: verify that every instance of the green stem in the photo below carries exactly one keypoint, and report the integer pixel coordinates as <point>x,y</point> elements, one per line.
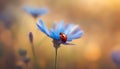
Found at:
<point>33,51</point>
<point>27,66</point>
<point>34,57</point>
<point>55,64</point>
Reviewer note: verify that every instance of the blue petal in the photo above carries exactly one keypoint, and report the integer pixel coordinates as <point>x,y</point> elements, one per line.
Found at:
<point>43,10</point>
<point>60,28</point>
<point>68,28</point>
<point>42,27</point>
<point>27,9</point>
<point>74,30</point>
<point>35,11</point>
<point>76,35</point>
<point>69,44</point>
<point>30,10</point>
<point>40,11</point>
<point>54,27</point>
<point>54,35</point>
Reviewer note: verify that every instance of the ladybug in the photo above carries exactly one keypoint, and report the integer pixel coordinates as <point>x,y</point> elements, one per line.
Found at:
<point>63,37</point>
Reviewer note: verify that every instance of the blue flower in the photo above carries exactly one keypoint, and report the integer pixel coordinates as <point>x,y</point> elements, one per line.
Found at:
<point>35,12</point>
<point>70,31</point>
<point>116,57</point>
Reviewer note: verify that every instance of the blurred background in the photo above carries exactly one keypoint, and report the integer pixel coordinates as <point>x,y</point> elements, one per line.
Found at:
<point>99,19</point>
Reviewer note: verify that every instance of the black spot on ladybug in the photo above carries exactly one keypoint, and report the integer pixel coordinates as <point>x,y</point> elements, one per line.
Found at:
<point>63,37</point>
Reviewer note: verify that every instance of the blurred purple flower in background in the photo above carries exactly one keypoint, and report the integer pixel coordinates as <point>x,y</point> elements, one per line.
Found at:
<point>7,18</point>
<point>35,12</point>
<point>115,55</point>
<point>25,59</point>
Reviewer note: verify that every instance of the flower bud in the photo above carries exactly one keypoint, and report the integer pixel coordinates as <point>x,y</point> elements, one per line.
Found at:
<point>31,37</point>
<point>26,60</point>
<point>22,52</point>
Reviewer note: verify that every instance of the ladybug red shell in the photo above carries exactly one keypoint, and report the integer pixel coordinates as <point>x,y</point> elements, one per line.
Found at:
<point>63,37</point>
